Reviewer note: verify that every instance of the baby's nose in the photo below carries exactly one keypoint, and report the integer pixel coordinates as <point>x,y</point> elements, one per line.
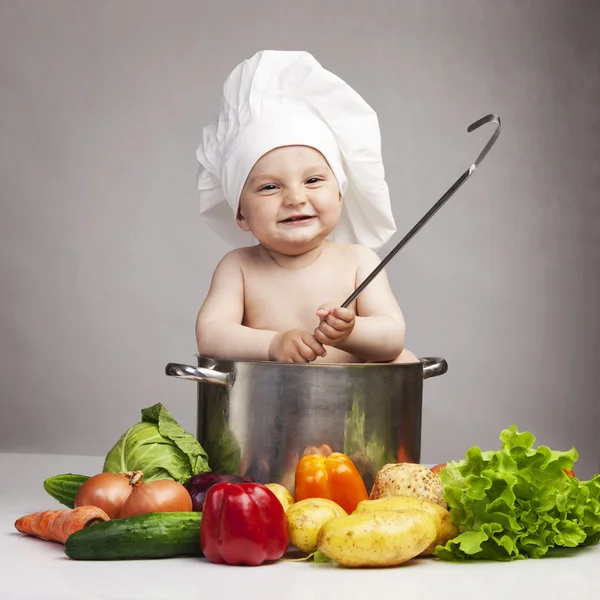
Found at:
<point>295,197</point>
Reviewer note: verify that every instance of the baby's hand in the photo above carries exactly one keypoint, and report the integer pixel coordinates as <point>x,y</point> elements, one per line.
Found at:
<point>295,345</point>
<point>336,324</point>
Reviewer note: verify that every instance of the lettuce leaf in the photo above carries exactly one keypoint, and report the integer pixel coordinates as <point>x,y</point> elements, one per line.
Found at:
<point>159,447</point>
<point>517,502</point>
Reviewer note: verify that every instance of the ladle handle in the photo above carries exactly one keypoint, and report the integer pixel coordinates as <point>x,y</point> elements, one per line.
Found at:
<point>458,183</point>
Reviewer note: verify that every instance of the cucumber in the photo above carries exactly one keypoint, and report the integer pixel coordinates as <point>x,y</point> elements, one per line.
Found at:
<point>153,535</point>
<point>64,488</point>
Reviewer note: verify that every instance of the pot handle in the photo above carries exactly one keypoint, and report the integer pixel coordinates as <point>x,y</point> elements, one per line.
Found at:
<point>433,366</point>
<point>199,374</point>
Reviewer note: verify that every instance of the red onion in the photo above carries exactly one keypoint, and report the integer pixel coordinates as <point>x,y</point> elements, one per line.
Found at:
<point>199,484</point>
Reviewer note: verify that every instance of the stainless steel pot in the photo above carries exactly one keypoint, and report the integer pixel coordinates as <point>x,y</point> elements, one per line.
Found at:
<point>258,418</point>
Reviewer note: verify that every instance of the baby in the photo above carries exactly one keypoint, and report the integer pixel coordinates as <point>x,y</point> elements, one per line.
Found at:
<point>295,154</point>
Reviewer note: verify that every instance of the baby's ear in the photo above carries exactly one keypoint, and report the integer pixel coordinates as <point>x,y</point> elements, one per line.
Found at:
<point>241,222</point>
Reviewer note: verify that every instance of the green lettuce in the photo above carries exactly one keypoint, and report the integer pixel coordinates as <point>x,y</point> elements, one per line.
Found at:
<point>159,447</point>
<point>517,502</point>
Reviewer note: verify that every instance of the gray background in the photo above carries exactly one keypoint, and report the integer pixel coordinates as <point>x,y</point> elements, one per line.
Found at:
<point>104,260</point>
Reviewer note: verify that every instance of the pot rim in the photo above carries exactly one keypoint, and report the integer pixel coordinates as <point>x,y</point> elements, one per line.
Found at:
<point>225,361</point>
<point>224,373</point>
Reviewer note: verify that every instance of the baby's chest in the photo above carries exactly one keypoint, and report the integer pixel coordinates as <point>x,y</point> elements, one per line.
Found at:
<point>291,299</point>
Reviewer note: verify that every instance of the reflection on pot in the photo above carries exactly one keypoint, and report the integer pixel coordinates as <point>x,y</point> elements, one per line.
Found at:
<point>368,456</point>
<point>323,450</point>
<point>224,451</point>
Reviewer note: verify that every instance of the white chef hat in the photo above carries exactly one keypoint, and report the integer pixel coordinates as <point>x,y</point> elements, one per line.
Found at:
<point>279,98</point>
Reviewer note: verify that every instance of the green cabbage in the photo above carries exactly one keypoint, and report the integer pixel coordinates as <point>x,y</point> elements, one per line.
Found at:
<point>159,447</point>
<point>518,503</point>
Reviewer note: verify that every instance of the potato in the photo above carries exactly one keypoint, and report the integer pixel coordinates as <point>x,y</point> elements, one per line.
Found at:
<point>283,495</point>
<point>306,517</point>
<point>377,539</point>
<point>408,479</point>
<point>446,529</point>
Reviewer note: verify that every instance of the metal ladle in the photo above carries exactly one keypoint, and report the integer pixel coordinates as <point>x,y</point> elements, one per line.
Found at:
<point>487,119</point>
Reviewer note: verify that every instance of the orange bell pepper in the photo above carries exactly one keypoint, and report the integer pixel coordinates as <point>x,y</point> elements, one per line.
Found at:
<point>333,477</point>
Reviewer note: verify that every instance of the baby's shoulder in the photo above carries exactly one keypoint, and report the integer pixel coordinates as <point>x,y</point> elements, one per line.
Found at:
<point>360,256</point>
<point>242,260</point>
<point>239,257</point>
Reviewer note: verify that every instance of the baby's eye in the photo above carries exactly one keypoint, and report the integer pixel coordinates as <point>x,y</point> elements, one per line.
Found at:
<point>267,188</point>
<point>313,180</point>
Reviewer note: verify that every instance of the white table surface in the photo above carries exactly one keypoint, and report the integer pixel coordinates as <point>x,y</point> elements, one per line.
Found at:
<point>36,569</point>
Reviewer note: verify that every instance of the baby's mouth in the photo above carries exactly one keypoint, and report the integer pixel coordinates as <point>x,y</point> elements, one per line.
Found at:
<point>297,219</point>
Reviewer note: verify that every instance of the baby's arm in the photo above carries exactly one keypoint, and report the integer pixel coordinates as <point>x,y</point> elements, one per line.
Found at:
<point>221,335</point>
<point>219,330</point>
<point>379,329</point>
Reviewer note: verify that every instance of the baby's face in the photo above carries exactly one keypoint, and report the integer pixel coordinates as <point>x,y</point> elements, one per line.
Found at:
<point>291,200</point>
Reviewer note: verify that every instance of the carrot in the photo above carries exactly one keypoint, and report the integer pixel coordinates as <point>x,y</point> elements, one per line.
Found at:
<point>58,525</point>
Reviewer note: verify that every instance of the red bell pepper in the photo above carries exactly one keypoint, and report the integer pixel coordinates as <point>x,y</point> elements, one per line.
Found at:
<point>243,524</point>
